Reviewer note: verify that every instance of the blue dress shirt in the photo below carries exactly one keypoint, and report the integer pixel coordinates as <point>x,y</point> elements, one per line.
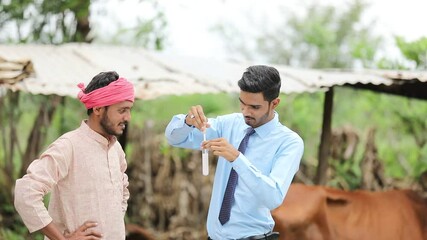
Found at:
<point>265,171</point>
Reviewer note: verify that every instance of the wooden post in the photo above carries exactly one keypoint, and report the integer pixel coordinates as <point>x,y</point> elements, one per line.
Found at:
<point>325,139</point>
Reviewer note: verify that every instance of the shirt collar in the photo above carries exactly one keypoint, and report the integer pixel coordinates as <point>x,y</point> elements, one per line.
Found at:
<point>267,127</point>
<point>96,136</point>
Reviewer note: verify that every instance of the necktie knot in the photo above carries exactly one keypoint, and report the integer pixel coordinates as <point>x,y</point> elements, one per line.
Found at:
<point>244,142</point>
<point>250,131</point>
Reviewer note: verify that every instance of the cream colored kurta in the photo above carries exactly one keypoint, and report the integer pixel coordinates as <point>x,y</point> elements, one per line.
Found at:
<point>85,174</point>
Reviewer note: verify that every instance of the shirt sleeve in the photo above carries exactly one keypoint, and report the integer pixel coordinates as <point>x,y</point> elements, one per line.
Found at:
<point>179,134</point>
<point>271,189</point>
<point>42,175</point>
<point>126,194</point>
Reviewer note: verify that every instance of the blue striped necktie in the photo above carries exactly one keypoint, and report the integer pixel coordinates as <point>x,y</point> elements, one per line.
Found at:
<point>224,213</point>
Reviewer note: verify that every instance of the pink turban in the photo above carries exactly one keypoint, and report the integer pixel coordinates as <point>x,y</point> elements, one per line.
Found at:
<point>115,92</point>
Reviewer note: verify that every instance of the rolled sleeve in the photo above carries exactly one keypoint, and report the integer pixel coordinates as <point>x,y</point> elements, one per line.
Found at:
<point>29,193</point>
<point>42,175</point>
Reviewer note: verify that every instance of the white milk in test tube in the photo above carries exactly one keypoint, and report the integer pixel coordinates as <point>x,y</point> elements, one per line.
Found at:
<point>205,158</point>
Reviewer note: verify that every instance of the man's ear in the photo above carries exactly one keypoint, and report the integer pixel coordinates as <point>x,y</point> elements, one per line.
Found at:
<point>275,102</point>
<point>97,110</point>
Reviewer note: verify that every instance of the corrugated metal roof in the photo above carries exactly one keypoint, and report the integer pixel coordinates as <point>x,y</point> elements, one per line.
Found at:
<point>58,69</point>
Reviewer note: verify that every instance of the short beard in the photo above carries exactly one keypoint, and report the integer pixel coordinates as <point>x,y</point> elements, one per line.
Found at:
<point>106,125</point>
<point>262,119</point>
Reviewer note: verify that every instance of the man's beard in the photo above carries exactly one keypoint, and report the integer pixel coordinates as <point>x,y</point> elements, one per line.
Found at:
<point>253,122</point>
<point>108,127</point>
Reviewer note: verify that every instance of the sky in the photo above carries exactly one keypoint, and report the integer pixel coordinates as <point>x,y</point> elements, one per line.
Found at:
<point>190,21</point>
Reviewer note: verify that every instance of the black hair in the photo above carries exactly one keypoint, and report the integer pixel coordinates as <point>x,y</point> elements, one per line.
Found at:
<point>260,78</point>
<point>102,79</point>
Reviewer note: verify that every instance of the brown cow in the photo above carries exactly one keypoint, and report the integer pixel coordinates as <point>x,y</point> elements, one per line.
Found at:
<point>321,213</point>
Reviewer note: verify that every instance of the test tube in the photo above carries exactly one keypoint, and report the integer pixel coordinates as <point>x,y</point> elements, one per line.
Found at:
<point>205,158</point>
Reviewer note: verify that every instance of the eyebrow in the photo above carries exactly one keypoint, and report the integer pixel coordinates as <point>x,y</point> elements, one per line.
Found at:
<point>254,106</point>
<point>121,108</point>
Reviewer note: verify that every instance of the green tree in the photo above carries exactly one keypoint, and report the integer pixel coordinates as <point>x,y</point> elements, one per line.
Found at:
<point>62,21</point>
<point>413,121</point>
<point>415,51</point>
<point>322,38</point>
<point>45,21</point>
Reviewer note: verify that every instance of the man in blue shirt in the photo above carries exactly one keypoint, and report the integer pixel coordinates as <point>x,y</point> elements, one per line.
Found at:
<point>265,167</point>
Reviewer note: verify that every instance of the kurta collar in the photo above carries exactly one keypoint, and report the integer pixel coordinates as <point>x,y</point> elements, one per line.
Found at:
<point>96,136</point>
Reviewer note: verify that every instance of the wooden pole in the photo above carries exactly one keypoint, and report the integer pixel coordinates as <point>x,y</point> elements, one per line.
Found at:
<point>325,139</point>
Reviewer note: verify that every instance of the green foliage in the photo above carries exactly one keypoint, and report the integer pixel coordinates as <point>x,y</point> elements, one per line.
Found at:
<point>399,123</point>
<point>7,234</point>
<point>162,108</point>
<point>302,113</point>
<point>68,117</point>
<point>326,38</point>
<point>384,63</point>
<point>413,124</point>
<point>50,21</point>
<point>147,33</point>
<point>61,21</point>
<point>347,175</point>
<point>20,232</point>
<point>415,51</point>
<point>364,48</point>
<point>322,38</point>
<point>10,235</point>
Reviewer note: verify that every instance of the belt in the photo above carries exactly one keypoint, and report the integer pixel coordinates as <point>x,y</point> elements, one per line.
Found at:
<point>266,236</point>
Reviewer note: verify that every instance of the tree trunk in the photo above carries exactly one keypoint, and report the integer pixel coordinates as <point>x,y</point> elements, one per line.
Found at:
<point>81,13</point>
<point>39,131</point>
<point>325,139</point>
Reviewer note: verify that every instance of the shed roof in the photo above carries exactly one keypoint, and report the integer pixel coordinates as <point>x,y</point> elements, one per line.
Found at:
<point>57,69</point>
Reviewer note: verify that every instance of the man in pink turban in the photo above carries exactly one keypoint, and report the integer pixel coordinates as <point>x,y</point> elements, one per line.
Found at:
<point>84,170</point>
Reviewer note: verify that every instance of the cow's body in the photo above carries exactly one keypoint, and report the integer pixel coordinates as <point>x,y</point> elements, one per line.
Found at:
<point>320,213</point>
